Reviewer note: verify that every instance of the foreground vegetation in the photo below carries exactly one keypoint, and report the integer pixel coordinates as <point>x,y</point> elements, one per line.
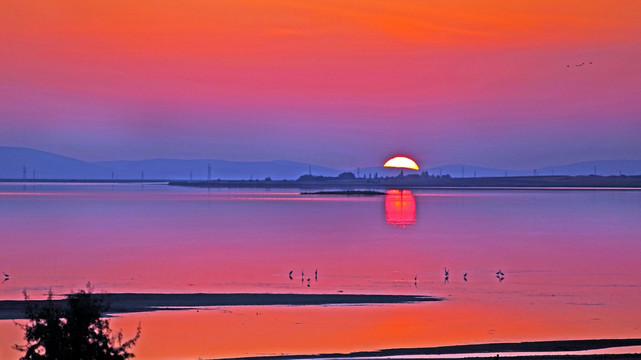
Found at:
<point>72,329</point>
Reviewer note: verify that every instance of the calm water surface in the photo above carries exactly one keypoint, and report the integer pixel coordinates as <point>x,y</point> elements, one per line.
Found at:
<point>571,261</point>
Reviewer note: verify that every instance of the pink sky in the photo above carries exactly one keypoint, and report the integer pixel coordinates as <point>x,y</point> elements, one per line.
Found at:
<point>337,83</point>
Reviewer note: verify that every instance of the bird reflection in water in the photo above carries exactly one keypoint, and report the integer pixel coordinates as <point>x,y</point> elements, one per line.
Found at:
<point>400,208</point>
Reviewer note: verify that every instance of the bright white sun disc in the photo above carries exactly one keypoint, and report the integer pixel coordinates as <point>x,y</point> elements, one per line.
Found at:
<point>401,162</point>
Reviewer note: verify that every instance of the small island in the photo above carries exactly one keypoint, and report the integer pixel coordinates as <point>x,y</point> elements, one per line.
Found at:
<point>346,192</point>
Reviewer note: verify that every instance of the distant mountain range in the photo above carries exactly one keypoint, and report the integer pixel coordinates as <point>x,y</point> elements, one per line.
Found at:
<point>19,163</point>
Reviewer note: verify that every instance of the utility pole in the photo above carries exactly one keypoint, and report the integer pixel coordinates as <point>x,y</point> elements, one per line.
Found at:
<point>24,173</point>
<point>208,172</point>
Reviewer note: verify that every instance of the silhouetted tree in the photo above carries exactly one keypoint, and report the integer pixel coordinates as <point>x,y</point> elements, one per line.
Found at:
<point>72,329</point>
<point>346,176</point>
<point>308,177</point>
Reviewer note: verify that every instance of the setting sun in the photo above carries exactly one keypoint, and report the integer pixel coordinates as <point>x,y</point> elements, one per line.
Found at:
<point>401,162</point>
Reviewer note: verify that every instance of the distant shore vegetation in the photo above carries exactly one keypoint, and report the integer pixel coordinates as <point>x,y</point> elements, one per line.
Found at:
<point>351,181</point>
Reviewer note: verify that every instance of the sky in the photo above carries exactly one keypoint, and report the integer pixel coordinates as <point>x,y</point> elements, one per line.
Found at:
<point>342,83</point>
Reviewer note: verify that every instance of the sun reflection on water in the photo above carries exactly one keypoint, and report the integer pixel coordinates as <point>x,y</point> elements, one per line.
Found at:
<point>400,208</point>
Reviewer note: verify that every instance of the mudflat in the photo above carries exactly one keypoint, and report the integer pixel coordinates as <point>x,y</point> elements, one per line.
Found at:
<point>141,302</point>
<point>475,351</point>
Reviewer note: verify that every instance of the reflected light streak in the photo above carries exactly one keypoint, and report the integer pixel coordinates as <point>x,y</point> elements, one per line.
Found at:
<point>400,208</point>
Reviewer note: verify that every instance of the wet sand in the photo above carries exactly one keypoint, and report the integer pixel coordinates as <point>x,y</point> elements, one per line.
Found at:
<point>141,302</point>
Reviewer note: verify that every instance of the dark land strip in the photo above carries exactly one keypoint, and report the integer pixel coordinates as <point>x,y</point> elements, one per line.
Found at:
<point>418,182</point>
<point>141,302</point>
<point>346,192</point>
<point>590,182</point>
<point>490,349</point>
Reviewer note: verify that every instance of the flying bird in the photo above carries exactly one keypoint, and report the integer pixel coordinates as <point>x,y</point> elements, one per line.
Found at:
<point>465,276</point>
<point>290,274</point>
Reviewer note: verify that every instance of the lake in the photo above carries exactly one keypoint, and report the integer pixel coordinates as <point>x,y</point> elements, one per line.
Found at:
<point>570,259</point>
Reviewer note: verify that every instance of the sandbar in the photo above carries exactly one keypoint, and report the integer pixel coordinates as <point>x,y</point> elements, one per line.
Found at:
<point>491,349</point>
<point>143,302</point>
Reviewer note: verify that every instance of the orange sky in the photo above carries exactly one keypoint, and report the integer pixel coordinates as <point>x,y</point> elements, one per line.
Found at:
<point>123,73</point>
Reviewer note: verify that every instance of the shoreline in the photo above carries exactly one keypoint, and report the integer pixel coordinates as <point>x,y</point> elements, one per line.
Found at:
<point>122,303</point>
<point>549,182</point>
<point>478,351</point>
<point>431,182</point>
